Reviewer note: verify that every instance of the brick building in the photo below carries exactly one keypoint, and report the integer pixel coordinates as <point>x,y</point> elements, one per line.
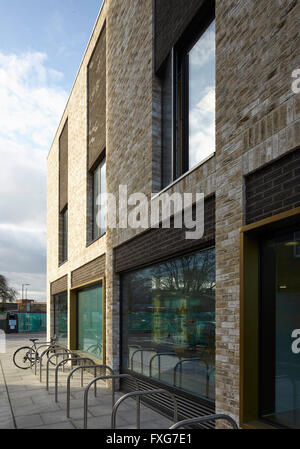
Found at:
<point>176,96</point>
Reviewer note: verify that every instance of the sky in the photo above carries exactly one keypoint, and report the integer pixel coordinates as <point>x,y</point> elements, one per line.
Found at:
<point>41,46</point>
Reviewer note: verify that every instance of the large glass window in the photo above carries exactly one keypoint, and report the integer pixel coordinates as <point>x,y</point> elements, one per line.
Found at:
<point>188,105</point>
<point>280,329</point>
<point>99,209</point>
<point>90,320</point>
<point>61,318</point>
<point>168,322</point>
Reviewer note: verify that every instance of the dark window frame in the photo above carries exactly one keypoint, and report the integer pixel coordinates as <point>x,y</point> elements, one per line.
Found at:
<point>63,235</point>
<point>55,298</point>
<point>101,161</point>
<point>180,82</point>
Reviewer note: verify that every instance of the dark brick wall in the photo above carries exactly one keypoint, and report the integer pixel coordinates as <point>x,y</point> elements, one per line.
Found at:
<point>88,272</point>
<point>274,188</point>
<point>97,101</point>
<point>159,244</point>
<point>59,286</point>
<point>63,168</point>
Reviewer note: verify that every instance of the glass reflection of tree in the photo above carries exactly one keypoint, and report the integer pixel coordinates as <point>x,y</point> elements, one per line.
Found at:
<point>182,290</point>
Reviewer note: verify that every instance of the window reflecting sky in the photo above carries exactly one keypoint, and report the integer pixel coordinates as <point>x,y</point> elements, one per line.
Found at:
<point>202,97</point>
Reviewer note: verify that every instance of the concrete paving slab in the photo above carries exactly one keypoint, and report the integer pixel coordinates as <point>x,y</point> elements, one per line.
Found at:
<point>25,402</point>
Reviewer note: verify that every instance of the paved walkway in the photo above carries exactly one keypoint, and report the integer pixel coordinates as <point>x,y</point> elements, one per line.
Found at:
<point>25,403</point>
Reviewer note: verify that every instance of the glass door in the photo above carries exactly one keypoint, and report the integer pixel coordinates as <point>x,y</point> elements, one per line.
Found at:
<point>280,329</point>
<point>90,321</point>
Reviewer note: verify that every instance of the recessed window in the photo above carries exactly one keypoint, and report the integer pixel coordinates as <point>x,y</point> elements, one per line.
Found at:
<point>63,236</point>
<point>61,317</point>
<point>168,323</point>
<point>99,206</point>
<point>188,105</point>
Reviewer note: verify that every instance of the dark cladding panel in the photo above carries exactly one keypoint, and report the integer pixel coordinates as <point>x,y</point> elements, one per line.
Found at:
<point>158,244</point>
<point>59,286</point>
<point>63,168</point>
<point>97,101</point>
<point>89,272</point>
<point>171,19</point>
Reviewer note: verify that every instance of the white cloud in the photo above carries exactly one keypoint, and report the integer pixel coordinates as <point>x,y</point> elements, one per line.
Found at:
<point>30,98</point>
<point>205,49</point>
<point>202,127</point>
<point>31,104</point>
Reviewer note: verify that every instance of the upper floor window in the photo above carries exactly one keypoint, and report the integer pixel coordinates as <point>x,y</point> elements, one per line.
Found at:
<point>99,207</point>
<point>63,256</point>
<point>188,104</point>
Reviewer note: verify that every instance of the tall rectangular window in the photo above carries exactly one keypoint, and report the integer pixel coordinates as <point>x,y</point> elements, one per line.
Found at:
<point>61,317</point>
<point>99,205</point>
<point>168,323</point>
<point>63,236</point>
<point>188,95</point>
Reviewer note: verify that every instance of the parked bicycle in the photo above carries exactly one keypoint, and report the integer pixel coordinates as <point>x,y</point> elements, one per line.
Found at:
<point>27,356</point>
<point>95,349</point>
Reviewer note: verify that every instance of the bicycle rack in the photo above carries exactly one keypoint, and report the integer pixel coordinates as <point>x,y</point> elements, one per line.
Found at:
<point>159,354</point>
<point>45,352</point>
<point>34,351</point>
<point>77,359</point>
<point>139,394</point>
<point>48,364</point>
<point>142,357</point>
<point>82,368</point>
<point>114,377</point>
<point>193,359</point>
<point>41,345</point>
<point>204,419</point>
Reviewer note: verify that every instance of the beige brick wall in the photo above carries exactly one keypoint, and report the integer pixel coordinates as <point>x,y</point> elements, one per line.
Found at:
<point>258,47</point>
<point>258,119</point>
<point>76,112</point>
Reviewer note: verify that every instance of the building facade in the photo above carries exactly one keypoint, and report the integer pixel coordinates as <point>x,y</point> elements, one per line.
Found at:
<point>174,97</point>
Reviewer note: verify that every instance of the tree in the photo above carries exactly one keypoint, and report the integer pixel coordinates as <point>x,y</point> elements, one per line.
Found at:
<point>7,294</point>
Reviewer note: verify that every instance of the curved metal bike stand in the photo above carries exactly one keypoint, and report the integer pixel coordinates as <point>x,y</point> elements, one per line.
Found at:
<point>192,359</point>
<point>45,352</point>
<point>35,351</point>
<point>141,350</point>
<point>114,377</point>
<point>159,354</point>
<point>95,366</point>
<point>32,350</point>
<point>202,419</point>
<point>139,394</point>
<point>77,359</point>
<point>48,363</point>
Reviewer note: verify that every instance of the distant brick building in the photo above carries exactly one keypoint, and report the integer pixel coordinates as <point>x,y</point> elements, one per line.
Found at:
<point>25,306</point>
<point>185,96</point>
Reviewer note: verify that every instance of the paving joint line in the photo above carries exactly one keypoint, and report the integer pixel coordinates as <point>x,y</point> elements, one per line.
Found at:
<point>8,397</point>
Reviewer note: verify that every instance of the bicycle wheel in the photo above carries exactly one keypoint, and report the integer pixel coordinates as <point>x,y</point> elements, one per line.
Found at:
<point>54,360</point>
<point>24,357</point>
